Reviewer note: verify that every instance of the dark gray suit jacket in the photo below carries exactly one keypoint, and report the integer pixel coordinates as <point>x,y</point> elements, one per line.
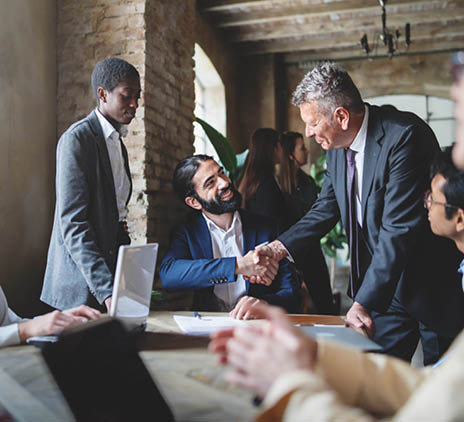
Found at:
<point>402,257</point>
<point>83,246</point>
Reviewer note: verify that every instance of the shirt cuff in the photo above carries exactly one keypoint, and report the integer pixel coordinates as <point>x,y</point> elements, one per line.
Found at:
<point>9,335</point>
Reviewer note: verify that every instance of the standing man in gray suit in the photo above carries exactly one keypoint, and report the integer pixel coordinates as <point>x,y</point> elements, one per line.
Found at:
<point>93,187</point>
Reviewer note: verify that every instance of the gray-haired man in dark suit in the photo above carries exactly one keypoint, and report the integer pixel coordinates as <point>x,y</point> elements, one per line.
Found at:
<point>93,186</point>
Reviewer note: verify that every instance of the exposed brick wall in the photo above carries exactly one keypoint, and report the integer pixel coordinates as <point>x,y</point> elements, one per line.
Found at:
<point>169,105</point>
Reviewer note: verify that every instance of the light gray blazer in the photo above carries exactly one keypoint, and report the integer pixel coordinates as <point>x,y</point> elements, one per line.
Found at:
<point>83,246</point>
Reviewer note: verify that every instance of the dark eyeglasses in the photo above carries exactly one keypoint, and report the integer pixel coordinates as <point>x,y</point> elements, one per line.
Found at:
<point>429,201</point>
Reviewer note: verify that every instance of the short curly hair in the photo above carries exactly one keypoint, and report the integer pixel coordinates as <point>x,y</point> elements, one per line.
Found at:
<point>109,73</point>
<point>330,86</point>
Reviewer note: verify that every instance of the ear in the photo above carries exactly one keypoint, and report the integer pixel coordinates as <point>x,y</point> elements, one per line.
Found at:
<point>342,117</point>
<point>101,94</point>
<point>193,203</point>
<point>460,220</point>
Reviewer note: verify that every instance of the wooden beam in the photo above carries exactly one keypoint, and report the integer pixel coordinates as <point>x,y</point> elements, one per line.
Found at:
<point>228,6</point>
<point>319,26</point>
<point>285,13</point>
<point>348,38</point>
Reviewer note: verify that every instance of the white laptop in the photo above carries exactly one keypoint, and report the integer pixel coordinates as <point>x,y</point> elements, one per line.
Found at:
<point>133,282</point>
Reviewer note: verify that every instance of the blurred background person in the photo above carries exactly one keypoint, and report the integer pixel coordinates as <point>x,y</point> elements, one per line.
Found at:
<point>260,191</point>
<point>300,192</point>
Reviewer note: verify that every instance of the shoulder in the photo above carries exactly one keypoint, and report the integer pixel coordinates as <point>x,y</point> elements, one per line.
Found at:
<point>87,128</point>
<point>391,117</point>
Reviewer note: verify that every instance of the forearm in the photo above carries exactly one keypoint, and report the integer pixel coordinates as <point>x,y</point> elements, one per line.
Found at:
<point>378,383</point>
<point>181,274</point>
<point>303,395</point>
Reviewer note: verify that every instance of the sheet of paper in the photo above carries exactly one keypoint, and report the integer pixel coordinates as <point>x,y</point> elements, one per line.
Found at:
<point>206,324</point>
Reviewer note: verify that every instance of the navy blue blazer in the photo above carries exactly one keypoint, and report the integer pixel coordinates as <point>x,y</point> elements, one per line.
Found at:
<point>189,264</point>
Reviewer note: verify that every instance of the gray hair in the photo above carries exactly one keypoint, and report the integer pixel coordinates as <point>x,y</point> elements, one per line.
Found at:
<point>330,85</point>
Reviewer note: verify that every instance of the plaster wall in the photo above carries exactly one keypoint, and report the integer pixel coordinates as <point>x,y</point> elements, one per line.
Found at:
<point>27,147</point>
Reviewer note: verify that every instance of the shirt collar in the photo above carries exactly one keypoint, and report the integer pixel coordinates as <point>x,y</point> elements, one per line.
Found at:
<point>461,267</point>
<point>236,223</point>
<point>359,142</point>
<point>108,129</point>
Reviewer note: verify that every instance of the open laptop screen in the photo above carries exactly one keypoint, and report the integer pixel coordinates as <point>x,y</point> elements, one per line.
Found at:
<point>133,283</point>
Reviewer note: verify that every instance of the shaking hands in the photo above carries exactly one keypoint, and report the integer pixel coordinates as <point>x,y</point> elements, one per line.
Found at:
<point>261,265</point>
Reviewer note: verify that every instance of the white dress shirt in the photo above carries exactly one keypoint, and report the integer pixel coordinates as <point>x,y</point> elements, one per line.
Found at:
<point>120,177</point>
<point>9,333</point>
<point>227,244</point>
<point>358,145</point>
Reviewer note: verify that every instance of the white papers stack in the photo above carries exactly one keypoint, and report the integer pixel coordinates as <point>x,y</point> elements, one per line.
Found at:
<point>206,324</point>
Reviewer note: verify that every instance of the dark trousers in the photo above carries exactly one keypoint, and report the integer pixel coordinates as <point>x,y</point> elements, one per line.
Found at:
<point>314,272</point>
<point>399,333</point>
<point>122,239</point>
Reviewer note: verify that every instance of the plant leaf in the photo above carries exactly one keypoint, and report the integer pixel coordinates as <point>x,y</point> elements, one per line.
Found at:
<point>222,146</point>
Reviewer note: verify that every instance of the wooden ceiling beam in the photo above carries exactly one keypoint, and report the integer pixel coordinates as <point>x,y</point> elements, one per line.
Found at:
<point>348,38</point>
<point>231,6</point>
<point>283,14</point>
<point>363,24</point>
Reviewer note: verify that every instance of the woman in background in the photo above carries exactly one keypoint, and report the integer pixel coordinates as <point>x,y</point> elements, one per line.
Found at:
<point>300,192</point>
<point>260,192</point>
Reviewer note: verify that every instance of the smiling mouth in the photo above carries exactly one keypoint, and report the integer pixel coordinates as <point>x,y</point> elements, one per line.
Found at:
<point>227,194</point>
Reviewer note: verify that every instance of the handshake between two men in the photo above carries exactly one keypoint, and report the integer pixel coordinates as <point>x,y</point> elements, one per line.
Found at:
<point>258,266</point>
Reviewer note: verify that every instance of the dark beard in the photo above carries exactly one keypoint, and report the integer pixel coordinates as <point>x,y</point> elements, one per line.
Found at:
<point>218,206</point>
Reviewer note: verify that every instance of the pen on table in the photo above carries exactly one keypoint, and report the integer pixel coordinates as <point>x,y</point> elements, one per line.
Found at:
<point>197,315</point>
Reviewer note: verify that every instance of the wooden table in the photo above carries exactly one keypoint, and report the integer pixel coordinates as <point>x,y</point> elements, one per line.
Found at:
<point>188,376</point>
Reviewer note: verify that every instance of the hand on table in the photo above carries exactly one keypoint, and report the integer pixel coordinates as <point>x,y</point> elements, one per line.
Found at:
<point>258,355</point>
<point>55,322</point>
<point>245,308</point>
<point>359,319</point>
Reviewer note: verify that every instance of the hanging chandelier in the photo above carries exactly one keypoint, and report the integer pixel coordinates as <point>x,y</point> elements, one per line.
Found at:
<point>390,38</point>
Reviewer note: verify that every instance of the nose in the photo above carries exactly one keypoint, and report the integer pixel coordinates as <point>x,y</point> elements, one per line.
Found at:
<point>309,131</point>
<point>223,182</point>
<point>134,102</point>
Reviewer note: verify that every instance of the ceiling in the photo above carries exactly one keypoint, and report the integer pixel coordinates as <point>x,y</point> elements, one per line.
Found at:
<point>307,30</point>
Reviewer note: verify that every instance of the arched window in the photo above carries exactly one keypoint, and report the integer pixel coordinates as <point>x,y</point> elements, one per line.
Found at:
<point>436,111</point>
<point>210,101</point>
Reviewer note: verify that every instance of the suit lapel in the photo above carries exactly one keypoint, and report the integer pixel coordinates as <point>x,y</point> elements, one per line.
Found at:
<point>126,166</point>
<point>249,238</point>
<point>102,149</point>
<point>339,185</point>
<point>375,133</point>
<point>202,237</point>
<point>249,233</point>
